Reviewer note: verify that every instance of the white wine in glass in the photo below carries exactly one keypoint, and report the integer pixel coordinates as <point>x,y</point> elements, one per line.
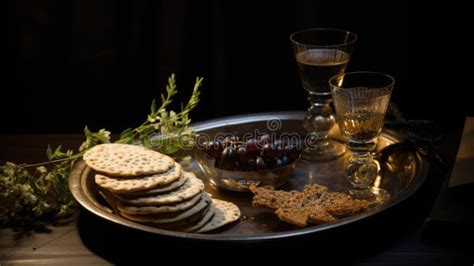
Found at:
<point>317,66</point>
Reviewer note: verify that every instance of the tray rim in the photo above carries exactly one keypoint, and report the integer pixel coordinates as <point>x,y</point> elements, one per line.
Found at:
<point>80,173</point>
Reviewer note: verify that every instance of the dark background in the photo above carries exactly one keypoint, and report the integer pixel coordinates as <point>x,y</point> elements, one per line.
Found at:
<point>100,63</point>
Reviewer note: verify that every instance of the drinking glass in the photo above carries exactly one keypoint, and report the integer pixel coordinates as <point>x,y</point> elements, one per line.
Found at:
<point>361,100</point>
<point>320,54</point>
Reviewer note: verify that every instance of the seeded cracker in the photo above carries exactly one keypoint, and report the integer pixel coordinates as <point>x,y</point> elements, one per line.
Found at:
<point>191,188</point>
<point>133,209</point>
<point>205,219</point>
<point>160,188</point>
<point>225,213</point>
<point>314,204</point>
<point>125,185</point>
<point>165,218</point>
<point>126,160</point>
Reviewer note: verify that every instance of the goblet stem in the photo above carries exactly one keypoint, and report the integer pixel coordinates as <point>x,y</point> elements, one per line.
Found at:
<point>362,171</point>
<point>318,121</point>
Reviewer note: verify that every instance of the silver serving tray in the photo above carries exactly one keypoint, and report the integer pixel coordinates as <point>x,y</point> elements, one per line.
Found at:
<point>402,173</point>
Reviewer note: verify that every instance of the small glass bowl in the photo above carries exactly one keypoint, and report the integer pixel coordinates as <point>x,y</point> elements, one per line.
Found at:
<point>241,180</point>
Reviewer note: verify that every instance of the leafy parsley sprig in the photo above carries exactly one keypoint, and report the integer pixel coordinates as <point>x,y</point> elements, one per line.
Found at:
<point>38,193</point>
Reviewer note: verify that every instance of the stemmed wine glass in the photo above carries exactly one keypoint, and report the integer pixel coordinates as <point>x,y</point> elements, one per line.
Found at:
<point>361,100</point>
<point>320,54</point>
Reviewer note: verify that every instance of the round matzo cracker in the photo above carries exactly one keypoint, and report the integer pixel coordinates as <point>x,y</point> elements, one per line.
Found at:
<point>207,216</point>
<point>191,188</point>
<point>160,188</point>
<point>193,219</point>
<point>126,160</point>
<point>167,218</point>
<point>225,212</point>
<point>122,185</point>
<point>133,209</point>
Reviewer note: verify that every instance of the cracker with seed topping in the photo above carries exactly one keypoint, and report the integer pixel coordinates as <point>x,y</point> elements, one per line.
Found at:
<point>313,205</point>
<point>113,159</point>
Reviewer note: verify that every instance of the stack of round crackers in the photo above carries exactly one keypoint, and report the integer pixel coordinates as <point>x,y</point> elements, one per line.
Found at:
<point>149,187</point>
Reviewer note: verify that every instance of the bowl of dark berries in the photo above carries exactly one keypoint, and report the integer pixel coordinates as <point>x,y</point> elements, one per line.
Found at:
<point>234,164</point>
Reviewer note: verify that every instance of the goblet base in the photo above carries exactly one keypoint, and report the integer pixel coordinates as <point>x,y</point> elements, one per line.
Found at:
<point>324,150</point>
<point>374,195</point>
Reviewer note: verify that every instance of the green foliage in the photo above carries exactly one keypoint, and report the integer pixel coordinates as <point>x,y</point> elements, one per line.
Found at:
<point>166,131</point>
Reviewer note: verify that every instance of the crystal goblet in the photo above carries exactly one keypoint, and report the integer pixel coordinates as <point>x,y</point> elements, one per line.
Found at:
<point>361,100</point>
<point>320,54</point>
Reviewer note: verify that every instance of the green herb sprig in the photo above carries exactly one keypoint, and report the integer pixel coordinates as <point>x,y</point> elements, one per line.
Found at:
<point>38,193</point>
<point>172,128</point>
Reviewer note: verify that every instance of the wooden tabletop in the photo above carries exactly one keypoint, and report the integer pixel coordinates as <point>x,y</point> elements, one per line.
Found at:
<point>390,237</point>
